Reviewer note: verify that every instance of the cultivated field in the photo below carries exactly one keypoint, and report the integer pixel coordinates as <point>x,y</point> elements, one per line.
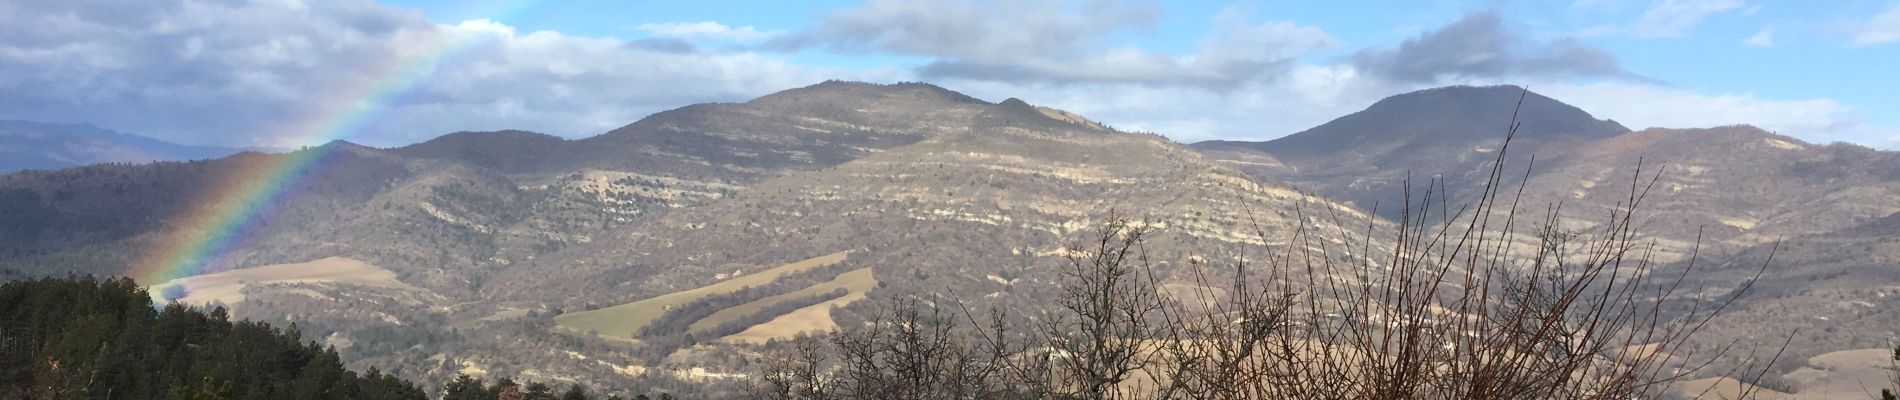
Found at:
<point>815,318</point>
<point>623,320</point>
<point>1851,374</point>
<point>228,287</point>
<point>856,282</point>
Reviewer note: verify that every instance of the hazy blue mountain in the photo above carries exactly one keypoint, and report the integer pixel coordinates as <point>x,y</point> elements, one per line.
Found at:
<point>37,145</point>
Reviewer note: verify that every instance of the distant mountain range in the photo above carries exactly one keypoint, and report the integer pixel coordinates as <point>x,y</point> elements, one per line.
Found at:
<point>940,195</point>
<point>36,145</point>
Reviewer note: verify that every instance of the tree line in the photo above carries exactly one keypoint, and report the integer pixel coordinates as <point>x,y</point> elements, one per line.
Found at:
<point>85,338</point>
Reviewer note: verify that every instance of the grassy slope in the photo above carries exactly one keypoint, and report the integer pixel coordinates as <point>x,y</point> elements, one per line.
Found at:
<point>623,320</point>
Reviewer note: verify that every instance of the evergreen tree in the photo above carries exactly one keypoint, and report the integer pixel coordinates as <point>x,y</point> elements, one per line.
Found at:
<point>538,391</point>
<point>88,338</point>
<point>466,388</point>
<point>575,392</point>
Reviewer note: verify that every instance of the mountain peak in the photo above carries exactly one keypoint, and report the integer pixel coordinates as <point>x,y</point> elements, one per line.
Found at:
<point>1450,117</point>
<point>508,150</point>
<point>838,91</point>
<point>1016,112</point>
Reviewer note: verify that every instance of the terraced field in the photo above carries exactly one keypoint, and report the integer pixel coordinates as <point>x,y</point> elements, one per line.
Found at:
<point>623,320</point>
<point>856,282</point>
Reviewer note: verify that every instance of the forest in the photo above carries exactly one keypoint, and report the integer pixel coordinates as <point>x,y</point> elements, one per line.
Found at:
<point>86,338</point>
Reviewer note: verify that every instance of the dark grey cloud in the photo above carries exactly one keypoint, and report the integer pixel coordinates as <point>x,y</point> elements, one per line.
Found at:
<point>1479,45</point>
<point>985,31</point>
<point>1052,42</point>
<point>663,45</point>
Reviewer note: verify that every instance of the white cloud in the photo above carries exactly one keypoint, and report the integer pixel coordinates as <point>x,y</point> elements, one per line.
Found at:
<point>1763,38</point>
<point>707,30</point>
<point>1882,29</point>
<point>1672,18</point>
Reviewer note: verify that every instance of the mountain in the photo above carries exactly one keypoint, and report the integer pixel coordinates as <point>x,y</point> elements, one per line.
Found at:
<point>1821,217</point>
<point>1015,181</point>
<point>516,253</point>
<point>1733,186</point>
<point>477,240</point>
<point>36,145</point>
<point>1449,133</point>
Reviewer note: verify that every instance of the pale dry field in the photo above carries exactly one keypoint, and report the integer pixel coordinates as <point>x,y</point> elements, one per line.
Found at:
<point>228,287</point>
<point>1851,374</point>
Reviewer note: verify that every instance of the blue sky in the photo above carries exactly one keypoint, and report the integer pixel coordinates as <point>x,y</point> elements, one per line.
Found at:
<point>1819,71</point>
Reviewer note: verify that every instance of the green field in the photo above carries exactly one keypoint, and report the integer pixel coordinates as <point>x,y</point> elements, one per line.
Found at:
<point>855,281</point>
<point>623,320</point>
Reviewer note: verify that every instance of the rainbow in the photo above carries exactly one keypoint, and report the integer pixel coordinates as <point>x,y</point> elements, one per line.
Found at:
<point>235,205</point>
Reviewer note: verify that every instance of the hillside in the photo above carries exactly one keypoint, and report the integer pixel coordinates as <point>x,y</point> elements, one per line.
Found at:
<point>1825,213</point>
<point>1833,291</point>
<point>1735,186</point>
<point>1016,181</point>
<point>982,214</point>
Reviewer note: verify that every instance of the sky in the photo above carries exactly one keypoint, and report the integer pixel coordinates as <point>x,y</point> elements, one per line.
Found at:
<point>270,72</point>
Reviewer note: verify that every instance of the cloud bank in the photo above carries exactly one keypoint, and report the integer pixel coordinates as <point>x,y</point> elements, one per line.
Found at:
<point>267,73</point>
<point>257,73</point>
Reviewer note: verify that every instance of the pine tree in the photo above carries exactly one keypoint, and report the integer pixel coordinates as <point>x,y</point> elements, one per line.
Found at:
<point>538,391</point>
<point>575,392</point>
<point>466,388</point>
